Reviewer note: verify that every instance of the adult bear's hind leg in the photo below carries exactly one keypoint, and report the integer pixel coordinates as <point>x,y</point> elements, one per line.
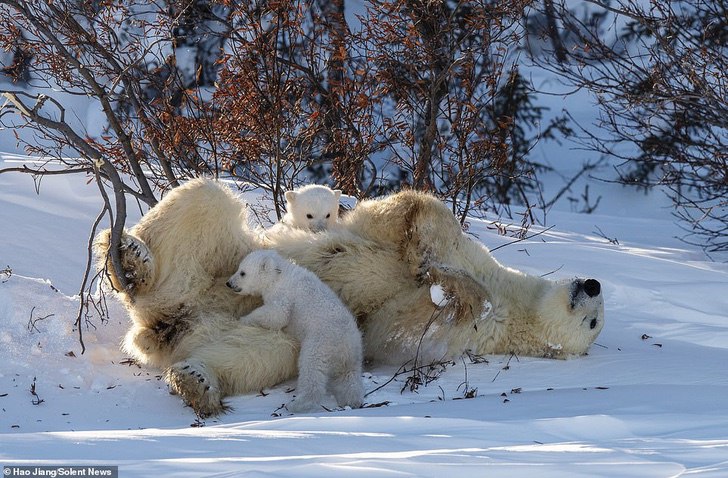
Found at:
<point>225,360</point>
<point>197,386</point>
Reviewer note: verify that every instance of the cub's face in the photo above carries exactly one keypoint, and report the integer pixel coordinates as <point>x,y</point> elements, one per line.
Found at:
<point>314,208</point>
<point>256,273</point>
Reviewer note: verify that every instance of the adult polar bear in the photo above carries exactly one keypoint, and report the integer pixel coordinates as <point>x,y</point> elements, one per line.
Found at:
<point>381,262</point>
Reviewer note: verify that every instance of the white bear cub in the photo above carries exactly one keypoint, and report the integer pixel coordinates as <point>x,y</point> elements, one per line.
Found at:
<point>295,299</point>
<point>313,207</point>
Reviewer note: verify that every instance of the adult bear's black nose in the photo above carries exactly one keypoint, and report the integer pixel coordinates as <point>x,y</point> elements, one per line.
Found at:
<point>592,287</point>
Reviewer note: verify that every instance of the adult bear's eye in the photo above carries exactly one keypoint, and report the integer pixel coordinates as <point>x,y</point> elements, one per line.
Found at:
<point>328,215</point>
<point>242,274</point>
<point>309,216</point>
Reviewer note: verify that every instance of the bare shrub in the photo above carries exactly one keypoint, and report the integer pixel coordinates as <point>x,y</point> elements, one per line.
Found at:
<point>658,72</point>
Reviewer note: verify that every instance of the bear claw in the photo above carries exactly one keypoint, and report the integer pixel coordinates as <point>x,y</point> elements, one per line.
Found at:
<point>198,389</point>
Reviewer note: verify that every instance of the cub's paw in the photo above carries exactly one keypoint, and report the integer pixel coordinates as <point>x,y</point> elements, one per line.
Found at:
<point>302,406</point>
<point>191,380</point>
<point>349,391</point>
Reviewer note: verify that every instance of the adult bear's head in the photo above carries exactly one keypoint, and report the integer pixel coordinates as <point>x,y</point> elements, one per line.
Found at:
<point>572,315</point>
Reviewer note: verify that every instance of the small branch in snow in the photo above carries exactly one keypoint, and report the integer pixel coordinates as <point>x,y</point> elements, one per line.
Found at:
<point>402,369</point>
<point>521,239</point>
<point>553,271</point>
<point>36,399</point>
<point>33,321</point>
<point>419,375</point>
<point>467,391</point>
<point>600,233</point>
<point>507,366</point>
<point>83,293</point>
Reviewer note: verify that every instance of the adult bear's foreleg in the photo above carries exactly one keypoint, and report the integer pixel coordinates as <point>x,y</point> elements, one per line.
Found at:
<point>466,298</point>
<point>137,262</point>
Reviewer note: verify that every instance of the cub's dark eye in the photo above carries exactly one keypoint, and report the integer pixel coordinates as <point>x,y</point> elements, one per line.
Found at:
<point>242,274</point>
<point>328,215</point>
<point>309,216</point>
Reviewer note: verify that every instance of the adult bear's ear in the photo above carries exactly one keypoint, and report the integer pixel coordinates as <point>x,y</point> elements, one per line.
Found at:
<point>337,193</point>
<point>291,197</point>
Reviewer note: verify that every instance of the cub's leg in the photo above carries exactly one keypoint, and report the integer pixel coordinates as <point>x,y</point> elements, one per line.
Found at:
<point>312,378</point>
<point>272,316</point>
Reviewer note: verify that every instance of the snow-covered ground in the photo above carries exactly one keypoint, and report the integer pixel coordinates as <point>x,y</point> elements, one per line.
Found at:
<point>650,399</point>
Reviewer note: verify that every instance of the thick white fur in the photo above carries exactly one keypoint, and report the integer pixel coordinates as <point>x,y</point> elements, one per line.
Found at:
<point>295,300</point>
<point>184,320</point>
<point>381,260</point>
<point>313,208</point>
<point>383,243</point>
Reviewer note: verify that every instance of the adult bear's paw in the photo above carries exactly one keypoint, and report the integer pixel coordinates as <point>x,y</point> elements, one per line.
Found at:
<point>137,265</point>
<point>136,262</point>
<point>191,380</point>
<point>466,297</point>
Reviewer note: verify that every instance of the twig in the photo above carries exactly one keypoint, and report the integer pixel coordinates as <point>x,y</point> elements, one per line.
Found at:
<point>552,272</point>
<point>416,379</point>
<point>521,239</point>
<point>89,259</point>
<point>467,391</point>
<point>475,358</point>
<point>36,399</point>
<point>506,366</point>
<point>601,234</point>
<point>402,369</point>
<point>424,374</point>
<point>32,322</point>
<point>8,272</point>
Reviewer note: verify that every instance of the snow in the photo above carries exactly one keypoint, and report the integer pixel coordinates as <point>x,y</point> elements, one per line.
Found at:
<point>649,400</point>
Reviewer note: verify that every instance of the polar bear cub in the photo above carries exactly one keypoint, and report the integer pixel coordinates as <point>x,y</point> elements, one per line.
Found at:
<point>295,299</point>
<point>313,207</point>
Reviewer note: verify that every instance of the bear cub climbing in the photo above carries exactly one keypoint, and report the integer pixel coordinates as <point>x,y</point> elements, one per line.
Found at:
<point>296,300</point>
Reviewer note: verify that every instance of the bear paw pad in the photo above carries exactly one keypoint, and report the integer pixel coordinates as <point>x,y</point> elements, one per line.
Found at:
<point>136,262</point>
<point>198,388</point>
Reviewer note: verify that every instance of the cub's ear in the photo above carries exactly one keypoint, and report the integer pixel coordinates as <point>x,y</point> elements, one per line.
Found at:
<point>270,263</point>
<point>291,196</point>
<point>337,193</point>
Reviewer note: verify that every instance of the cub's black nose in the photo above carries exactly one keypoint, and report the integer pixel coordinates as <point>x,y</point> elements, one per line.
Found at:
<point>592,287</point>
<point>228,284</point>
